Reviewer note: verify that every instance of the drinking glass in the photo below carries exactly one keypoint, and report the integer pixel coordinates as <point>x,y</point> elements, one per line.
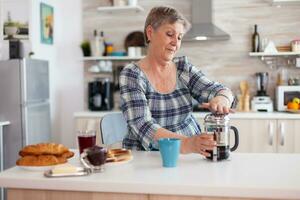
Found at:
<point>86,139</point>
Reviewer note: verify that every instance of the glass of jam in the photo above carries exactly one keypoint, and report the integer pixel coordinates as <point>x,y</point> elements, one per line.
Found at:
<point>96,156</point>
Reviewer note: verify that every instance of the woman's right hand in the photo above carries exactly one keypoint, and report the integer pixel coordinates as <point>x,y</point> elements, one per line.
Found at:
<point>198,144</point>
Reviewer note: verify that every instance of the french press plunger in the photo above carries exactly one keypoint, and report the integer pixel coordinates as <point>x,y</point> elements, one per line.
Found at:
<point>218,125</point>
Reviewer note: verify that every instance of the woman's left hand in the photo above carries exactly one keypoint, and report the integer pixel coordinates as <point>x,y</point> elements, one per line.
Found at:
<point>219,105</point>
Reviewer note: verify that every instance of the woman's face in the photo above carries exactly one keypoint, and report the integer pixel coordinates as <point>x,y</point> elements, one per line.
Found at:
<point>165,40</point>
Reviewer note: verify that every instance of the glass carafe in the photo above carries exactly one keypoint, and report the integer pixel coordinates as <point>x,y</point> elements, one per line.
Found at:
<point>218,125</point>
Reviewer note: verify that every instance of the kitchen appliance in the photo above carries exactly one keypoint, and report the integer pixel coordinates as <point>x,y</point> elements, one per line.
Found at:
<point>218,125</point>
<point>284,94</point>
<point>202,23</point>
<point>100,95</point>
<point>24,101</point>
<point>14,49</point>
<point>262,102</point>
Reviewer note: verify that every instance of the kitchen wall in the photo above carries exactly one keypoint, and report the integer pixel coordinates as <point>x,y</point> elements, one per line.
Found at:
<point>226,61</point>
<point>19,11</point>
<point>66,72</point>
<point>64,56</point>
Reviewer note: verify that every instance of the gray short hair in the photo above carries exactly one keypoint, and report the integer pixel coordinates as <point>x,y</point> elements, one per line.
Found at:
<point>160,15</point>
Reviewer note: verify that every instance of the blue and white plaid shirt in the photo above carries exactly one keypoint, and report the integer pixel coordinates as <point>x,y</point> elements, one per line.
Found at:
<point>146,110</point>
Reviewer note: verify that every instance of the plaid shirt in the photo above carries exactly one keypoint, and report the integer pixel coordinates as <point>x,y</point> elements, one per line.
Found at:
<point>147,110</point>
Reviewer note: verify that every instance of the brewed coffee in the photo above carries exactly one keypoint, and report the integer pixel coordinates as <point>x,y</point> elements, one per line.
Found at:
<point>218,126</point>
<point>223,153</point>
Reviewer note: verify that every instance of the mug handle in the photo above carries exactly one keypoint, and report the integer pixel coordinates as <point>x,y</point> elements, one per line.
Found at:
<point>236,138</point>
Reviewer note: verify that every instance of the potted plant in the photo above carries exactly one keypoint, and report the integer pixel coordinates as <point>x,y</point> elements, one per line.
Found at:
<point>11,28</point>
<point>86,48</point>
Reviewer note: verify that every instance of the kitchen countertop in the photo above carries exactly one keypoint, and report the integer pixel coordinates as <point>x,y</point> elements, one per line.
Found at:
<point>245,175</point>
<point>237,115</point>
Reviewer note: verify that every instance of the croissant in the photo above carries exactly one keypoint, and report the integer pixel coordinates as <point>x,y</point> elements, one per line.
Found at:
<point>42,160</point>
<point>44,149</point>
<point>68,154</point>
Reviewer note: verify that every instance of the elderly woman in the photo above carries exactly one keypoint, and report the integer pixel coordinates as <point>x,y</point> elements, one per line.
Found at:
<point>157,91</point>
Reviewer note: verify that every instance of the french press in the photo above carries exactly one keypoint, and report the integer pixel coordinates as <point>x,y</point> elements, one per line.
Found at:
<point>218,125</point>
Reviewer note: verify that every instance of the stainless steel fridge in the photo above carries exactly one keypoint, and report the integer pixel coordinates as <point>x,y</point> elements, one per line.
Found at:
<point>24,101</point>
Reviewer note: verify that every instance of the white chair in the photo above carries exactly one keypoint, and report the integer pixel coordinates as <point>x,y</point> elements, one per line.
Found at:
<point>113,128</point>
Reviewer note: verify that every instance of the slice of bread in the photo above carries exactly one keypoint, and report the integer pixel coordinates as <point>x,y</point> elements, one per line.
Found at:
<point>118,155</point>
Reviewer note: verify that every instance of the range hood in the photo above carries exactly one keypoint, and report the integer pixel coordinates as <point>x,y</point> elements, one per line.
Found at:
<point>202,25</point>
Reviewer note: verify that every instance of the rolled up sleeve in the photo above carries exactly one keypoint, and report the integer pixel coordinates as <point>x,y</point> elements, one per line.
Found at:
<point>201,88</point>
<point>135,108</point>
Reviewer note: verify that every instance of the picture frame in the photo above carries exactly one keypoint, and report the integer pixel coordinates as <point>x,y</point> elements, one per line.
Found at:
<point>47,23</point>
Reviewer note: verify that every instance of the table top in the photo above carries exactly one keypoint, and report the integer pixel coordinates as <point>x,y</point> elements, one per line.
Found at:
<point>244,175</point>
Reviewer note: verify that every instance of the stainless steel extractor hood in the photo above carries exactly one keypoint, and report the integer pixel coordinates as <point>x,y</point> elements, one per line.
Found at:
<point>202,23</point>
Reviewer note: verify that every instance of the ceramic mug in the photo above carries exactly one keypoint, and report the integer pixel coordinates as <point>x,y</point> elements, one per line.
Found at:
<point>169,149</point>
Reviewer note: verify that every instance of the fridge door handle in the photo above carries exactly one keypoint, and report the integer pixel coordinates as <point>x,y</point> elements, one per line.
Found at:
<point>1,149</point>
<point>1,159</point>
<point>35,103</point>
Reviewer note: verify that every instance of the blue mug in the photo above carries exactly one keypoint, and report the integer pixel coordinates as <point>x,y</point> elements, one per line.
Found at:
<point>169,149</point>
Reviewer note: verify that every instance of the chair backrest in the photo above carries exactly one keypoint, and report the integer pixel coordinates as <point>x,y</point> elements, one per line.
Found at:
<point>113,128</point>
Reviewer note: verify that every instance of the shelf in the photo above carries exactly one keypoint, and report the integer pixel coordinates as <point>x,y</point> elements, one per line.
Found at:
<point>113,58</point>
<point>275,60</point>
<point>285,2</point>
<point>111,9</point>
<point>275,54</point>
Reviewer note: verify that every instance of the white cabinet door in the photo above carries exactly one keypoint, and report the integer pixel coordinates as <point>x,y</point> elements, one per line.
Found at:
<point>256,135</point>
<point>288,136</point>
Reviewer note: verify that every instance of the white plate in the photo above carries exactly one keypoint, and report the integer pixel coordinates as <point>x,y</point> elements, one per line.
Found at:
<point>119,162</point>
<point>293,111</point>
<point>38,168</point>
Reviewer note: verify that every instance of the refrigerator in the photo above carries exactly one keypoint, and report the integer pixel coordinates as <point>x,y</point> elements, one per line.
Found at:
<point>24,101</point>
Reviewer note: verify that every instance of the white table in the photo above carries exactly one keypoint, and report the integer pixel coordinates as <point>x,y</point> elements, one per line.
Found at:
<point>253,176</point>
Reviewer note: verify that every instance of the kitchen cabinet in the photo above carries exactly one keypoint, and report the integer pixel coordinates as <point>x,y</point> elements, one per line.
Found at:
<point>288,136</point>
<point>268,135</point>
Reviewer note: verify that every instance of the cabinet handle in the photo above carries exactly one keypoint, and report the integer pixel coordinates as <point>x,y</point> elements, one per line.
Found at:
<point>271,133</point>
<point>281,133</point>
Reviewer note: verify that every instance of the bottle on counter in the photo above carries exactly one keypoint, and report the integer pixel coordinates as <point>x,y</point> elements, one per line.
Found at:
<point>109,48</point>
<point>102,43</point>
<point>96,44</point>
<point>255,40</point>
